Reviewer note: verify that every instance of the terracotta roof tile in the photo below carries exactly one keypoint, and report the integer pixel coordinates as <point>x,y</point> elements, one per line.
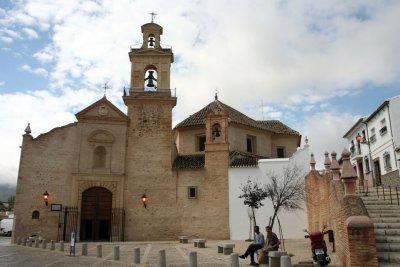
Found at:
<point>235,116</point>
<point>278,127</point>
<point>237,159</point>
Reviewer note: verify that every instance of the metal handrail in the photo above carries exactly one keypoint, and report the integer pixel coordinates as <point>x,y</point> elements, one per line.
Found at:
<point>391,193</point>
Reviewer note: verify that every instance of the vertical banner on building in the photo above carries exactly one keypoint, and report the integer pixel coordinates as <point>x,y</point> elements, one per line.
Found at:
<point>72,245</point>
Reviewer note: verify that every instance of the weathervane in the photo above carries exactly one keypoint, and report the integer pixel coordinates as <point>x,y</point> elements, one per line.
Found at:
<point>153,15</point>
<point>216,93</point>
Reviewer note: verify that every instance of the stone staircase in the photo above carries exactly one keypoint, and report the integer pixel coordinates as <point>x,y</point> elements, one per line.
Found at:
<point>386,219</point>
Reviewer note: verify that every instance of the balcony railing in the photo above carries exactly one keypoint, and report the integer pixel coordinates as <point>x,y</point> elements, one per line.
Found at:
<point>156,93</point>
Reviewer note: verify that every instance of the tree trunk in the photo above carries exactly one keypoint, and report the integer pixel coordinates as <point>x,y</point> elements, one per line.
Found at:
<point>273,217</point>
<point>255,223</point>
<point>254,217</point>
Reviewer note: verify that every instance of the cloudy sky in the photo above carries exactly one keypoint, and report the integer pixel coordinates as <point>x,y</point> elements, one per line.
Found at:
<point>315,65</point>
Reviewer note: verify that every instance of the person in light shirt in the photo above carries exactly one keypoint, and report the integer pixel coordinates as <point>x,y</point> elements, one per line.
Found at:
<point>258,243</point>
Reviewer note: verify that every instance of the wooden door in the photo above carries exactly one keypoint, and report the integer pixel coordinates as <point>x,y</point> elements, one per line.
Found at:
<point>96,214</point>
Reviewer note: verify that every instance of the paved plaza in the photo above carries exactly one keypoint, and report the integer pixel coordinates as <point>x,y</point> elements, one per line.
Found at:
<point>177,254</point>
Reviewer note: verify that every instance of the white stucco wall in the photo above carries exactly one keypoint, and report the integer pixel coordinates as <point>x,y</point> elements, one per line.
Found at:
<point>292,223</point>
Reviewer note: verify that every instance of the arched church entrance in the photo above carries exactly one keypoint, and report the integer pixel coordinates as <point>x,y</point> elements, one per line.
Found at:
<point>96,214</point>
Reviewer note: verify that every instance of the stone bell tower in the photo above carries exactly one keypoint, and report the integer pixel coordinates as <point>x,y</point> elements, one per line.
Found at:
<point>149,146</point>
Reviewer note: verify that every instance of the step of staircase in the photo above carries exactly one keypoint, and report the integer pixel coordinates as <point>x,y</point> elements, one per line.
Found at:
<point>389,232</point>
<point>387,225</point>
<point>386,219</point>
<point>392,257</point>
<point>387,239</point>
<point>388,247</point>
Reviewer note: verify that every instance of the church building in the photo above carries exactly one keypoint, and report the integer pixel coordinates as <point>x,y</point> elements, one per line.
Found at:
<point>112,176</point>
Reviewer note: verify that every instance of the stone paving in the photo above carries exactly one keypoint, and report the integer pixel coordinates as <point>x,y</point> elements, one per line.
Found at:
<point>177,254</point>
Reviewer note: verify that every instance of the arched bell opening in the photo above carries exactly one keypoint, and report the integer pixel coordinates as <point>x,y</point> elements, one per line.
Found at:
<point>216,131</point>
<point>150,80</point>
<point>151,41</point>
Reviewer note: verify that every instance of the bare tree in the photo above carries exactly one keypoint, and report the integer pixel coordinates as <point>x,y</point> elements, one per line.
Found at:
<point>253,195</point>
<point>286,191</point>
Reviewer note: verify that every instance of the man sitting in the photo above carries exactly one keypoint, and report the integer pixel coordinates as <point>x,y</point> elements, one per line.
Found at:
<point>272,244</point>
<point>256,245</point>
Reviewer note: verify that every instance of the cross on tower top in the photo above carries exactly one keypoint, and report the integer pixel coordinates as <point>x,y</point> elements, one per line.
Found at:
<point>153,15</point>
<point>105,87</point>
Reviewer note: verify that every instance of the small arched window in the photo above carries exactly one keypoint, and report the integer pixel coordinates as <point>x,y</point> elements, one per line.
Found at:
<point>99,157</point>
<point>35,215</point>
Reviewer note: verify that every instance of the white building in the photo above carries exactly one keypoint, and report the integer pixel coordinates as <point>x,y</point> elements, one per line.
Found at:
<point>292,223</point>
<point>374,142</point>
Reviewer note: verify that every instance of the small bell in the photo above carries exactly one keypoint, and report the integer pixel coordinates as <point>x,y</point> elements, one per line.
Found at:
<point>151,42</point>
<point>216,133</point>
<point>150,79</point>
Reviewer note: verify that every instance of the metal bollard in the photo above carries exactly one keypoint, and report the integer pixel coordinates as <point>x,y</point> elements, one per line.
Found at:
<point>19,241</point>
<point>136,255</point>
<point>24,241</point>
<point>84,249</point>
<point>99,252</point>
<point>193,259</point>
<point>36,242</point>
<point>61,245</point>
<point>285,261</point>
<point>53,245</point>
<point>30,241</point>
<point>234,260</point>
<point>161,259</point>
<point>116,253</point>
<point>44,244</point>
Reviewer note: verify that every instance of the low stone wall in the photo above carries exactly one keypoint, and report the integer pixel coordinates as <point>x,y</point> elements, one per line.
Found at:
<point>391,178</point>
<point>332,201</point>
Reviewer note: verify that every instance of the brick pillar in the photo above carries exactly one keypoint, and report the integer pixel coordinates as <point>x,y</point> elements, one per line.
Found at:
<point>335,168</point>
<point>327,162</point>
<point>361,240</point>
<point>349,176</point>
<point>312,162</point>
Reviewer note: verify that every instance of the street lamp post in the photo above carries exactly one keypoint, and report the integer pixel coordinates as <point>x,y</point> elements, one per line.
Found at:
<point>361,140</point>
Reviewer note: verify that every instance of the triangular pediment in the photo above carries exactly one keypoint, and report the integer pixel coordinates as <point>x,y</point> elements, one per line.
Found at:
<point>102,110</point>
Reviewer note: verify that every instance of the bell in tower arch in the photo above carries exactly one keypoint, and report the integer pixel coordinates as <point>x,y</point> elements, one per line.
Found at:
<point>151,41</point>
<point>150,79</point>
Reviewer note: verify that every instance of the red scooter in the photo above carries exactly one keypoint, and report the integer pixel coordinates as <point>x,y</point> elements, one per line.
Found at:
<point>318,246</point>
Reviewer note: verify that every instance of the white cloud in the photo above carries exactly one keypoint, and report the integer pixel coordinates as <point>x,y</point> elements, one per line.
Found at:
<point>6,39</point>
<point>2,83</point>
<point>33,107</point>
<point>45,55</point>
<point>324,131</point>
<point>38,71</point>
<point>32,34</point>
<point>13,34</point>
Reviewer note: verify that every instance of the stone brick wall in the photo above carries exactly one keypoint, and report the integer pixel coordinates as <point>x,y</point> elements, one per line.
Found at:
<point>391,178</point>
<point>345,215</point>
<point>44,168</point>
